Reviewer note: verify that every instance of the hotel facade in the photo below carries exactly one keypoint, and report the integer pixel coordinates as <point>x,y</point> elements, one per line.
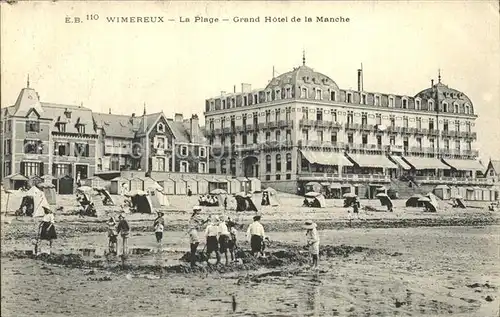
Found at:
<point>302,127</point>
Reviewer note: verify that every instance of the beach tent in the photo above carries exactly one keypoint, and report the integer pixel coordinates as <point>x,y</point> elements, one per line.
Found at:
<point>180,186</point>
<point>414,201</point>
<point>218,191</point>
<point>434,200</point>
<point>428,204</point>
<point>119,185</point>
<point>158,197</point>
<point>16,181</point>
<point>454,191</point>
<point>335,190</point>
<point>469,193</point>
<point>107,200</point>
<point>313,187</point>
<point>255,185</point>
<point>478,193</point>
<point>442,191</point>
<point>244,202</point>
<point>385,200</point>
<point>136,183</point>
<point>49,190</point>
<point>35,201</point>
<point>315,199</point>
<point>234,186</point>
<point>141,201</point>
<point>459,202</point>
<point>191,184</point>
<point>270,197</point>
<point>349,198</point>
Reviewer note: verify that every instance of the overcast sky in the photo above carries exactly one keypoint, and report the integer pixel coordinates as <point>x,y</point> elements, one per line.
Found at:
<point>175,66</point>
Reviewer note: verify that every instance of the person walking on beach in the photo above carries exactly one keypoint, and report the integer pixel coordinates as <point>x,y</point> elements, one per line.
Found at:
<point>211,234</point>
<point>225,203</point>
<point>195,223</point>
<point>112,235</point>
<point>159,226</point>
<point>255,234</point>
<point>123,230</point>
<point>312,239</point>
<point>224,237</point>
<point>232,243</point>
<point>46,227</point>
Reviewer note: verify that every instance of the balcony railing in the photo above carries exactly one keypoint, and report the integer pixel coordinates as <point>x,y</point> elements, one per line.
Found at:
<point>217,131</point>
<point>249,127</point>
<point>351,126</point>
<point>452,180</point>
<point>286,123</point>
<point>306,123</point>
<point>273,124</point>
<point>226,130</point>
<point>344,177</point>
<point>433,132</point>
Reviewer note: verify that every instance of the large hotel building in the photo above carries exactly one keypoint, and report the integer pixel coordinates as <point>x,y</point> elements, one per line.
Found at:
<point>303,127</point>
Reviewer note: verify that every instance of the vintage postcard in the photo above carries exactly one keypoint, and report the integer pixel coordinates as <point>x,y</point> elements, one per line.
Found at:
<point>250,158</point>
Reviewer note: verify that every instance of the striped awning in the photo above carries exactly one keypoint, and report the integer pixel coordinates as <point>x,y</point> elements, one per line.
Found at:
<point>326,158</point>
<point>426,163</point>
<point>399,160</point>
<point>378,161</point>
<point>465,165</point>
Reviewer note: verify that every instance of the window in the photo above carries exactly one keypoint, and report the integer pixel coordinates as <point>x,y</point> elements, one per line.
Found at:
<point>223,166</point>
<point>333,137</point>
<point>202,167</point>
<point>278,177</point>
<point>268,116</point>
<point>160,127</point>
<point>29,169</point>
<point>61,149</point>
<point>363,99</point>
<point>288,162</point>
<point>7,168</point>
<point>350,138</point>
<point>364,118</point>
<point>417,104</point>
<point>318,94</point>
<point>377,100</point>
<point>222,123</point>
<point>184,167</point>
<point>160,142</point>
<point>445,107</point>
<point>62,127</point>
<point>245,100</point>
<point>405,144</point>
<point>32,146</point>
<point>378,118</point>
<point>419,123</point>
<point>277,115</point>
<point>67,114</point>
<point>232,166</point>
<point>81,129</point>
<point>393,121</point>
<point>115,163</point>
<point>211,125</point>
<point>278,135</point>
<point>305,134</point>
<point>319,114</point>
<point>305,113</point>
<point>32,126</point>
<point>467,109</point>
<point>268,136</point>
<point>469,146</point>
<point>333,96</point>
<point>161,164</point>
<point>419,143</point>
<point>278,163</point>
<point>255,118</point>
<point>278,94</point>
<point>349,97</point>
<point>405,122</point>
<point>431,124</point>
<point>457,126</point>
<point>288,136</point>
<point>455,108</point>
<point>405,103</point>
<point>457,145</point>
<point>391,102</point>
<point>268,96</point>
<point>268,163</point>
<point>364,139</point>
<point>223,104</point>
<point>184,150</point>
<point>303,93</point>
<point>288,110</point>
<point>244,138</point>
<point>392,140</point>
<point>445,125</point>
<point>446,144</point>
<point>320,136</point>
<point>255,138</point>
<point>431,105</point>
<point>288,176</point>
<point>244,120</point>
<point>467,127</point>
<point>81,150</point>
<point>288,93</point>
<point>379,140</point>
<point>334,115</point>
<point>8,148</point>
<point>431,143</point>
<point>350,118</point>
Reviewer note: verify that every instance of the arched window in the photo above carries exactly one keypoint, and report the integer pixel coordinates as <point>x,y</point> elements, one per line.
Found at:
<point>417,104</point>
<point>467,109</point>
<point>404,103</point>
<point>223,166</point>
<point>431,105</point>
<point>278,163</point>
<point>268,164</point>
<point>333,95</point>
<point>288,161</point>
<point>232,166</point>
<point>445,107</point>
<point>455,106</point>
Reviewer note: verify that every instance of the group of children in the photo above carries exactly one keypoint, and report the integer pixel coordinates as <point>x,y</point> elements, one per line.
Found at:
<point>121,228</point>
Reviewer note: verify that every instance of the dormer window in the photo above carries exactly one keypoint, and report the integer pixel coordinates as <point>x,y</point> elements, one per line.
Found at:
<point>377,100</point>
<point>81,128</point>
<point>391,102</point>
<point>431,105</point>
<point>67,113</point>
<point>405,103</point>
<point>467,109</point>
<point>288,93</point>
<point>455,106</point>
<point>62,127</point>
<point>349,97</point>
<point>255,99</point>
<point>363,99</point>
<point>223,104</point>
<point>268,96</point>
<point>303,93</point>
<point>445,107</point>
<point>333,96</point>
<point>212,106</point>
<point>278,94</point>
<point>318,94</point>
<point>160,128</point>
<point>417,104</point>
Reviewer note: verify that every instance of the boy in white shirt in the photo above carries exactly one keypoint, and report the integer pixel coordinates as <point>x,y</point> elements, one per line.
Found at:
<point>211,234</point>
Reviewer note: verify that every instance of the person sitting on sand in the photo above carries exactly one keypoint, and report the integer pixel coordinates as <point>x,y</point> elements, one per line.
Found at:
<point>112,235</point>
<point>211,233</point>
<point>312,238</point>
<point>224,237</point>
<point>255,234</point>
<point>124,230</point>
<point>46,228</point>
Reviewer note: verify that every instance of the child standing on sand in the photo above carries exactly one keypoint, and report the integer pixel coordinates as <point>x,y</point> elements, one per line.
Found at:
<point>124,230</point>
<point>112,235</point>
<point>312,238</point>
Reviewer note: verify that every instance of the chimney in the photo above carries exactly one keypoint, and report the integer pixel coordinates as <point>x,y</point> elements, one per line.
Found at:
<point>360,79</point>
<point>133,114</point>
<point>432,83</point>
<point>178,117</point>
<point>234,89</point>
<point>246,88</point>
<point>109,110</point>
<point>194,128</point>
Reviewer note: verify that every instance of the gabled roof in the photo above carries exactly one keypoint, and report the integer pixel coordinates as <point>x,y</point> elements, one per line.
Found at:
<point>79,114</point>
<point>114,125</point>
<point>27,99</point>
<point>182,132</point>
<point>495,164</point>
